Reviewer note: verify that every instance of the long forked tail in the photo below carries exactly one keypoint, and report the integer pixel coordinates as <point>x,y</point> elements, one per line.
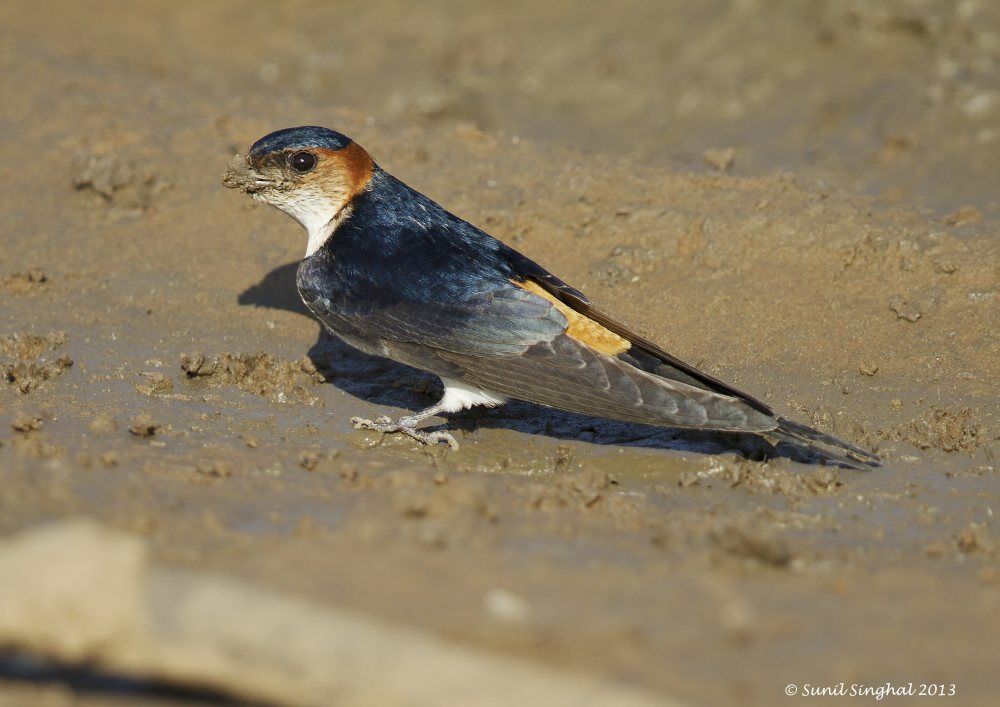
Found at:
<point>823,444</point>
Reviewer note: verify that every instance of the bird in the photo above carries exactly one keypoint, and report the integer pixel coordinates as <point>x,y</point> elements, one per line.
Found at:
<point>396,275</point>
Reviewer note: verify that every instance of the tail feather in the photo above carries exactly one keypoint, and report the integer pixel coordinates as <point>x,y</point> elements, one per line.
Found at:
<point>823,444</point>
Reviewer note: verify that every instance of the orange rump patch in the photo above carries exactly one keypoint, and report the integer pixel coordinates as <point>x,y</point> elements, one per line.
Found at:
<point>580,327</point>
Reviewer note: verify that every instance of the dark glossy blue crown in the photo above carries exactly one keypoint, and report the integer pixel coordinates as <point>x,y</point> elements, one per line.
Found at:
<point>303,137</point>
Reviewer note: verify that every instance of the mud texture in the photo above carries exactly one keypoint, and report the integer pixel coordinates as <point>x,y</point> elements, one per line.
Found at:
<point>798,197</point>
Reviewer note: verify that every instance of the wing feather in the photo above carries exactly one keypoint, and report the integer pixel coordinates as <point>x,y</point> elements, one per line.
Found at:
<point>643,353</point>
<point>567,374</point>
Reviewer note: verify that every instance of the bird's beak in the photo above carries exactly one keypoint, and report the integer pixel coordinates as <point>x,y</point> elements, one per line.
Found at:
<point>241,174</point>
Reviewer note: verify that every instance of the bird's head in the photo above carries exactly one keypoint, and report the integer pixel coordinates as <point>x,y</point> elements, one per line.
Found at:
<point>310,173</point>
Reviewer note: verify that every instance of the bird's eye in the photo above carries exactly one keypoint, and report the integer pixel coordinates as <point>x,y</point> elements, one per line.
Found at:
<point>303,162</point>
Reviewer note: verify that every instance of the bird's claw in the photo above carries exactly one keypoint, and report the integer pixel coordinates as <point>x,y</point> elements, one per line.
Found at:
<point>435,438</point>
<point>386,425</point>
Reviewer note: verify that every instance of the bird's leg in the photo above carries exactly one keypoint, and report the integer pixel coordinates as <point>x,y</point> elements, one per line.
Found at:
<point>407,425</point>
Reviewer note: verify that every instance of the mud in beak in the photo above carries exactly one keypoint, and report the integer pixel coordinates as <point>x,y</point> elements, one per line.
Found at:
<point>240,175</point>
<point>237,173</point>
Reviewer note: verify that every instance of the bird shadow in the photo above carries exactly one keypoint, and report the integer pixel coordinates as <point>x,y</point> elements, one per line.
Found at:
<point>382,381</point>
<point>94,683</point>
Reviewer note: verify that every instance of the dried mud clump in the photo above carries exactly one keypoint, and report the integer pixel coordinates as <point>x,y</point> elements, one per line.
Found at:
<point>260,373</point>
<point>309,459</point>
<point>25,422</point>
<point>25,367</point>
<point>764,478</point>
<point>963,216</point>
<point>28,346</point>
<point>28,282</point>
<point>143,426</point>
<point>903,309</point>
<point>942,429</point>
<point>28,376</point>
<point>975,538</point>
<point>217,469</point>
<point>114,179</point>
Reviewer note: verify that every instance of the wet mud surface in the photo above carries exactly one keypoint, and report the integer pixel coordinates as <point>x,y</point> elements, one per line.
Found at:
<point>159,374</point>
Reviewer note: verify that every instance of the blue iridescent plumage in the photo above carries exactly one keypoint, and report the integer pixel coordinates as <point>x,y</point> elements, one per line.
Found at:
<point>299,138</point>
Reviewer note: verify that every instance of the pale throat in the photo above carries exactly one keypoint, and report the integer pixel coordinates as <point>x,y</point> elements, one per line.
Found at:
<point>321,229</point>
<point>319,216</point>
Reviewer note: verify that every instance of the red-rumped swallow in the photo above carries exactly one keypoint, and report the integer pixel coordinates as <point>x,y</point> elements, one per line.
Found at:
<point>394,274</point>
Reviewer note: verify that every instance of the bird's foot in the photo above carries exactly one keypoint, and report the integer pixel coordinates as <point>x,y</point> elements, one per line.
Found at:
<point>387,425</point>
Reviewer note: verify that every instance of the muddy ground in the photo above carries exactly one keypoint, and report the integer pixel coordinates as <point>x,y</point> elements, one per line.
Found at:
<point>800,198</point>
